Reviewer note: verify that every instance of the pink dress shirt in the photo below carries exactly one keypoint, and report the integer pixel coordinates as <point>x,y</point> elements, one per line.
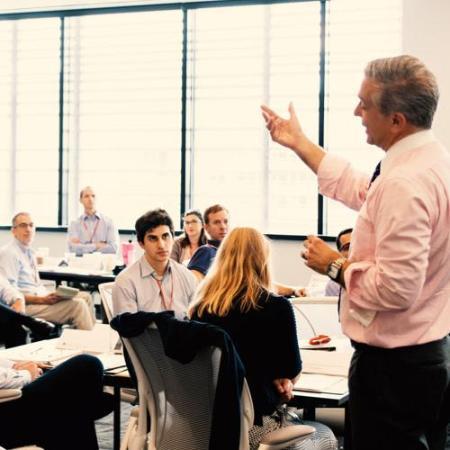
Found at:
<point>398,283</point>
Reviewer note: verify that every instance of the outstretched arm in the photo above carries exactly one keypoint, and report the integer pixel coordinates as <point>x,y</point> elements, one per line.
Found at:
<point>288,132</point>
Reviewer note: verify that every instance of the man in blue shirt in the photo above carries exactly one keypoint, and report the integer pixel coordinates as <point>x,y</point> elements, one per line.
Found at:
<point>18,265</point>
<point>216,220</point>
<point>92,231</point>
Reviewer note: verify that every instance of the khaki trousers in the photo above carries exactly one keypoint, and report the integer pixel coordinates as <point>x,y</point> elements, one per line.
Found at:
<point>78,311</point>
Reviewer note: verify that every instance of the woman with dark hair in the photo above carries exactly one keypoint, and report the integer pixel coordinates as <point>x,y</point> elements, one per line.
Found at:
<point>237,295</point>
<point>193,237</point>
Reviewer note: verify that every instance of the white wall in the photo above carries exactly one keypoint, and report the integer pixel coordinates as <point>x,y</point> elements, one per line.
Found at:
<point>426,35</point>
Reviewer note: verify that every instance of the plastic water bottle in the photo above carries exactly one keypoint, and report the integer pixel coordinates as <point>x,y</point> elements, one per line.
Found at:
<point>127,252</point>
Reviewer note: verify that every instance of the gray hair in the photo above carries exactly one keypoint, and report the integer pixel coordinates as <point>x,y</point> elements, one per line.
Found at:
<point>21,213</point>
<point>407,87</point>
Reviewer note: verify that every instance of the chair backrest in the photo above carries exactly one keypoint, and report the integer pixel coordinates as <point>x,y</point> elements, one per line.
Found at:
<point>179,397</point>
<point>105,290</point>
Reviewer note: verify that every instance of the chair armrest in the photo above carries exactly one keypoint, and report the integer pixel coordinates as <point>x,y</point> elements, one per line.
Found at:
<point>286,436</point>
<point>9,394</point>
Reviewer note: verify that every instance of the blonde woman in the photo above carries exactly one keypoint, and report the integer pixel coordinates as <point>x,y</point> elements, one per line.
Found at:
<point>236,295</point>
<point>193,237</point>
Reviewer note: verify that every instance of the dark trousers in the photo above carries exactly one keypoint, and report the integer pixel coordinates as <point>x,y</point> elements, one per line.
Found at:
<point>58,409</point>
<point>11,331</point>
<point>399,397</point>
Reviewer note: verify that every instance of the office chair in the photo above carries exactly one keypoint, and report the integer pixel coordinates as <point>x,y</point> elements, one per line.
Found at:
<point>105,290</point>
<point>179,399</point>
<point>7,395</point>
<point>128,395</point>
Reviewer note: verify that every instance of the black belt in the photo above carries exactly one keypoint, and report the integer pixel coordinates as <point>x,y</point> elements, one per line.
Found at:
<point>427,347</point>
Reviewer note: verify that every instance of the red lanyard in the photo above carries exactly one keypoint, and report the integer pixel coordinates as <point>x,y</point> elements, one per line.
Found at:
<point>166,306</point>
<point>93,232</point>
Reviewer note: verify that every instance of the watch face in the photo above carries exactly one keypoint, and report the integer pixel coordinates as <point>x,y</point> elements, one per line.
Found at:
<point>332,271</point>
<point>334,268</point>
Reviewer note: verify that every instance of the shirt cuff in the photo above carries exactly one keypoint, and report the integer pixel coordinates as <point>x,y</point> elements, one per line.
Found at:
<point>25,376</point>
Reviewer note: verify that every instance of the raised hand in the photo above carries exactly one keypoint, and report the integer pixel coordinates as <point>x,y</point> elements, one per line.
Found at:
<point>286,132</point>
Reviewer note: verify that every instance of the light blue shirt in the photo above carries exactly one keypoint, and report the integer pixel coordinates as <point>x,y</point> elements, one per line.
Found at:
<point>332,289</point>
<point>137,289</point>
<point>18,265</point>
<point>90,230</point>
<point>8,294</point>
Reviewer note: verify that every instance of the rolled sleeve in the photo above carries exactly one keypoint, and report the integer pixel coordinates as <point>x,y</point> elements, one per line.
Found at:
<point>9,294</point>
<point>339,181</point>
<point>13,379</point>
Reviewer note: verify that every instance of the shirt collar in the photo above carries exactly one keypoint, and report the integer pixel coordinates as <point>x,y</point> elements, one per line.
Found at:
<point>84,216</point>
<point>22,247</point>
<point>408,143</point>
<point>147,270</point>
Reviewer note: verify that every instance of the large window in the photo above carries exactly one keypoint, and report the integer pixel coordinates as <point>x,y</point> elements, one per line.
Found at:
<point>29,108</point>
<point>160,107</point>
<point>123,108</point>
<point>239,59</point>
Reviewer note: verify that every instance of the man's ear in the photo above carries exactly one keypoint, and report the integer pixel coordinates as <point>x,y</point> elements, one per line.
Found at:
<point>399,120</point>
<point>141,244</point>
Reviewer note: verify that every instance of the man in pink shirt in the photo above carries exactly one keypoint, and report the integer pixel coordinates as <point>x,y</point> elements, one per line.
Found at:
<point>396,303</point>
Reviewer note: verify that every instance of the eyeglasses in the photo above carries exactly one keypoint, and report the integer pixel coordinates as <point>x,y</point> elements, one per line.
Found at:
<point>191,222</point>
<point>24,225</point>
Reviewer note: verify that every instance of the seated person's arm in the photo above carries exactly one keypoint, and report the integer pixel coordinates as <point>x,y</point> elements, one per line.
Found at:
<point>44,299</point>
<point>11,296</point>
<point>74,243</point>
<point>111,245</point>
<point>198,275</point>
<point>201,261</point>
<point>288,291</point>
<point>16,375</point>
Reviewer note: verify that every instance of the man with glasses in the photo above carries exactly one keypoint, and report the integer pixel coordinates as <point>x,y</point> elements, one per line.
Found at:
<point>343,246</point>
<point>18,265</point>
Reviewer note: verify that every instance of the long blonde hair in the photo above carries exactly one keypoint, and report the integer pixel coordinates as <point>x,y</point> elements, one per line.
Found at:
<point>240,273</point>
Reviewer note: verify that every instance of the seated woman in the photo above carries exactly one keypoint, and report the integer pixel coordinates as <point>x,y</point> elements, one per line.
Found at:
<point>58,408</point>
<point>193,237</point>
<point>237,296</point>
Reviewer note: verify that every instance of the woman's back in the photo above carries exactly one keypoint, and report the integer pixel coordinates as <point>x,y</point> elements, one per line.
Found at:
<point>266,340</point>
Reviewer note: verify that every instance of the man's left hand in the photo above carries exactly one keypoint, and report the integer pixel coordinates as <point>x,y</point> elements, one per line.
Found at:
<point>318,255</point>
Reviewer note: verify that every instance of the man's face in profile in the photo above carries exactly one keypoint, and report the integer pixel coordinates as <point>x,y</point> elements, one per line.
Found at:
<point>217,226</point>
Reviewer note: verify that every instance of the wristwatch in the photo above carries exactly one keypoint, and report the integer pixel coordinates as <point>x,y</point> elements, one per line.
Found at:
<point>334,268</point>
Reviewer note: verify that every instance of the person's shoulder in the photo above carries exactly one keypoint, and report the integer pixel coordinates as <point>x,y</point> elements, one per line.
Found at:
<point>104,217</point>
<point>130,273</point>
<point>182,271</point>
<point>9,249</point>
<point>206,249</point>
<point>178,239</point>
<point>275,303</point>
